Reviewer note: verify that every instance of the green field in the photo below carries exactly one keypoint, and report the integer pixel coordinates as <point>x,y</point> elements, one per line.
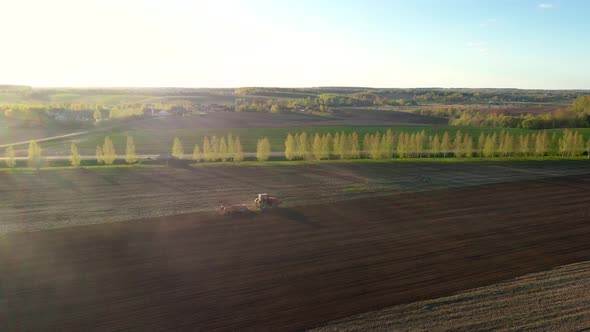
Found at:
<point>79,96</point>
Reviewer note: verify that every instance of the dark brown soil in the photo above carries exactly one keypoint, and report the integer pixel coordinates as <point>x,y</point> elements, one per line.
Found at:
<point>553,300</point>
<point>290,268</point>
<point>350,117</point>
<point>57,198</point>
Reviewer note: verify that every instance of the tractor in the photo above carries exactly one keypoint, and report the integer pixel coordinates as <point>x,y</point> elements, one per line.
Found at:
<point>264,201</point>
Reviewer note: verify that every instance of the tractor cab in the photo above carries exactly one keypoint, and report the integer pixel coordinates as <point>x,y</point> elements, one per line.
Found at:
<point>264,201</point>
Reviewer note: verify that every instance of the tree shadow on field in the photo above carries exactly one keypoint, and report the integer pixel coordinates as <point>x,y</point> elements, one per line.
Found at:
<point>67,183</point>
<point>296,216</point>
<point>236,177</point>
<point>109,178</point>
<point>175,163</point>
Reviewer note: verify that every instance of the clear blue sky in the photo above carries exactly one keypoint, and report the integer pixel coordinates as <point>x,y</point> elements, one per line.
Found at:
<point>413,43</point>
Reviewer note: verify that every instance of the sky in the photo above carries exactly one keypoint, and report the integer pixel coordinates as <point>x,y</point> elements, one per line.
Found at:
<point>300,43</point>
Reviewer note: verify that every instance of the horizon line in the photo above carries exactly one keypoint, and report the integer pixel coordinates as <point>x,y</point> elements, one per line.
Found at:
<point>288,87</point>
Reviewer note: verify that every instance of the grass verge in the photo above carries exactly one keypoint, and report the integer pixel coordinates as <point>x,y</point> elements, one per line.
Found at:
<point>93,167</point>
<point>381,161</point>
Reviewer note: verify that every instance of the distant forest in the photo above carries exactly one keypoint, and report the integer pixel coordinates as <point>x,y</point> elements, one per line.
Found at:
<point>27,106</point>
<point>577,115</point>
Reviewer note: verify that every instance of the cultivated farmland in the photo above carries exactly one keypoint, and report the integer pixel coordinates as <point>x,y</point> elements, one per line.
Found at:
<point>292,268</point>
<point>55,198</point>
<point>140,246</point>
<point>220,121</point>
<point>550,301</point>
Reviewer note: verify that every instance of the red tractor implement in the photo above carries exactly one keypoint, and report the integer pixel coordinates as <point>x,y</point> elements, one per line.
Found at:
<point>239,209</point>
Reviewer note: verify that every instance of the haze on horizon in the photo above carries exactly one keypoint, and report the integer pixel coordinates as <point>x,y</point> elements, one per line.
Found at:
<point>423,43</point>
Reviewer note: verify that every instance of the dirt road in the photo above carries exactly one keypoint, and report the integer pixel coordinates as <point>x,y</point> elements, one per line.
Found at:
<point>45,139</point>
<point>292,268</point>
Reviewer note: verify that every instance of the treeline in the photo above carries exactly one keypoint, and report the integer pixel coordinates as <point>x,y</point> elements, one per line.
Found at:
<point>319,103</point>
<point>263,105</point>
<point>52,107</point>
<point>212,149</point>
<point>419,145</point>
<point>65,106</point>
<point>322,99</point>
<point>33,156</point>
<point>127,112</point>
<point>413,95</point>
<point>364,98</point>
<point>575,116</point>
<point>318,147</point>
<point>491,96</point>
<point>566,118</point>
<point>377,146</point>
<point>23,115</point>
<point>26,116</point>
<point>280,105</point>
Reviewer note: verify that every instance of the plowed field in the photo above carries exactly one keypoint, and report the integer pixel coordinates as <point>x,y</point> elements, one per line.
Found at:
<point>554,300</point>
<point>62,198</point>
<point>292,268</point>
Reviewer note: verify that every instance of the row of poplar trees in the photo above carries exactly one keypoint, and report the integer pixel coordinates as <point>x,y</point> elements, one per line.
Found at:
<point>212,149</point>
<point>419,145</point>
<point>33,156</point>
<point>347,146</point>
